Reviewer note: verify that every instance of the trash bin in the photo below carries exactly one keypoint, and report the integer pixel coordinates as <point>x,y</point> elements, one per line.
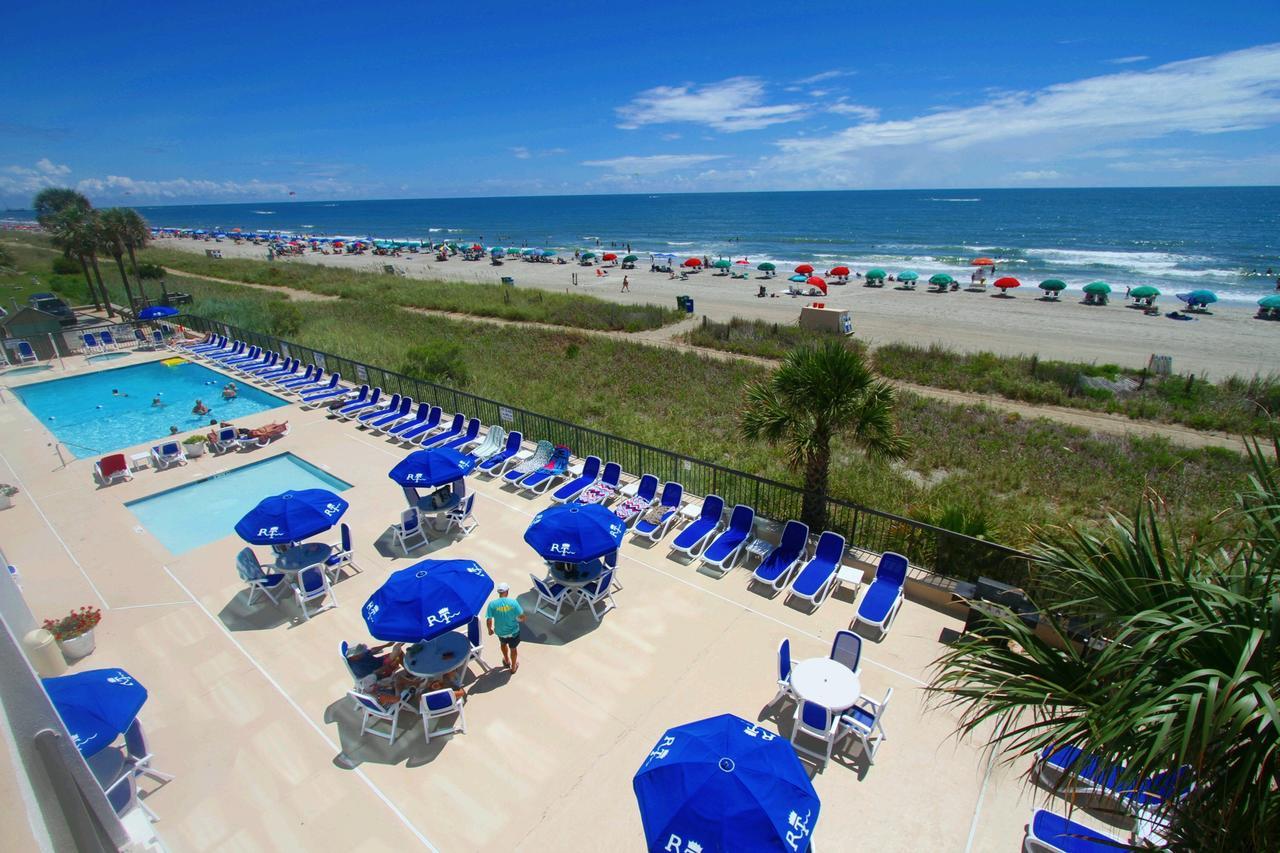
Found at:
<point>43,652</point>
<point>688,304</point>
<point>680,302</point>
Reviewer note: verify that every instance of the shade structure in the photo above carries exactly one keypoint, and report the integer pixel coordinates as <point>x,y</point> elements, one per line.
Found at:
<point>766,267</point>
<point>1199,297</point>
<point>908,275</point>
<point>727,784</point>
<point>876,272</point>
<point>586,256</point>
<point>982,262</point>
<point>630,259</point>
<point>575,533</point>
<point>528,252</point>
<point>798,277</point>
<point>742,262</point>
<point>721,264</point>
<point>426,600</point>
<point>497,252</point>
<point>1097,287</point>
<point>693,262</point>
<point>838,271</point>
<point>155,312</point>
<point>804,268</point>
<point>609,256</point>
<point>96,705</point>
<point>1007,282</point>
<point>1271,301</point>
<point>476,247</point>
<point>1144,291</point>
<point>941,278</point>
<point>1053,285</point>
<point>548,253</point>
<point>435,467</point>
<point>291,516</point>
<point>816,281</point>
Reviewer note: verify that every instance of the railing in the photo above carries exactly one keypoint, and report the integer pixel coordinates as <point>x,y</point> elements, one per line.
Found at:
<point>937,551</point>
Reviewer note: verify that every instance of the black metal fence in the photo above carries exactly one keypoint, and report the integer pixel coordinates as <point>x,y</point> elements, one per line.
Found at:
<point>940,552</point>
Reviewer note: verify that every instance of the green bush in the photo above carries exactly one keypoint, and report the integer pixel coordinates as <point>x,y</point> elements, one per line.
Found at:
<point>150,271</point>
<point>66,266</point>
<point>436,362</point>
<point>284,320</point>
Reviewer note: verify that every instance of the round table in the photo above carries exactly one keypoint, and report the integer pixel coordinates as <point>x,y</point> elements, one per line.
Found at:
<point>434,513</point>
<point>438,655</point>
<point>825,682</point>
<point>299,557</point>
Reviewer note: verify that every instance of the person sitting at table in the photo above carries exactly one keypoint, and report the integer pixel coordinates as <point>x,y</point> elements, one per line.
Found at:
<point>366,661</point>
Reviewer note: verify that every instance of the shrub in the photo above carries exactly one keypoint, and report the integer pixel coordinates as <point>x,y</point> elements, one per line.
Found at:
<point>66,266</point>
<point>284,320</point>
<point>437,362</point>
<point>150,271</point>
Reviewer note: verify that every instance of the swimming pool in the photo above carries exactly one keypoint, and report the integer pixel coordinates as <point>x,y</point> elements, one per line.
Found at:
<point>107,356</point>
<point>207,510</point>
<point>108,410</point>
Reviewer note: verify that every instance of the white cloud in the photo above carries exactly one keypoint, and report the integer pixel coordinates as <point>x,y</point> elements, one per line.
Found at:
<point>17,181</point>
<point>1036,175</point>
<point>729,106</point>
<point>1126,60</point>
<point>824,75</point>
<point>670,137</point>
<point>858,111</point>
<point>653,164</point>
<point>520,152</point>
<point>1208,95</point>
<point>117,185</point>
<point>48,167</point>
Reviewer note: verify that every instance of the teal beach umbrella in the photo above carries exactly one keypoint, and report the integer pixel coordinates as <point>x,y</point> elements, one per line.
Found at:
<point>941,279</point>
<point>1145,291</point>
<point>1097,288</point>
<point>1053,285</point>
<point>908,275</point>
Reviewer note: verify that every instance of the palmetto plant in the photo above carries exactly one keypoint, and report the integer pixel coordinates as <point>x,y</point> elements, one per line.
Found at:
<point>115,231</point>
<point>817,395</point>
<point>1182,672</point>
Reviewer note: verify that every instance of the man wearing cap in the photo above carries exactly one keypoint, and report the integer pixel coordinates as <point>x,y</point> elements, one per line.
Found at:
<point>503,617</point>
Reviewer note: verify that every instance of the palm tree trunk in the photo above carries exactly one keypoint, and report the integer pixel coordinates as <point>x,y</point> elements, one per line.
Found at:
<point>97,273</point>
<point>128,291</point>
<point>88,280</point>
<point>133,261</point>
<point>816,472</point>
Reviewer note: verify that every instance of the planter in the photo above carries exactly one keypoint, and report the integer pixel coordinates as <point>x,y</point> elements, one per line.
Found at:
<point>194,450</point>
<point>75,648</point>
<point>5,501</point>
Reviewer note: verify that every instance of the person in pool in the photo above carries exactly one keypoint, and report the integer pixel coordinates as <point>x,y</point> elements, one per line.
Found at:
<point>199,408</point>
<point>229,391</point>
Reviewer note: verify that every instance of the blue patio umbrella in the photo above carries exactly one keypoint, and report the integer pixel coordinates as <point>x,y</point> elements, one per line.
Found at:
<point>96,705</point>
<point>426,600</point>
<point>291,516</point>
<point>155,312</point>
<point>728,785</point>
<point>1198,297</point>
<point>799,278</point>
<point>428,468</point>
<point>548,253</point>
<point>573,533</point>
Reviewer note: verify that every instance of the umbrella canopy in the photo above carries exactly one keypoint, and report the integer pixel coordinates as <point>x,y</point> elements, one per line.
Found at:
<point>497,251</point>
<point>797,277</point>
<point>908,275</point>
<point>528,252</point>
<point>586,256</point>
<point>1007,282</point>
<point>805,268</point>
<point>291,516</point>
<point>1053,284</point>
<point>154,312</point>
<point>426,600</point>
<point>876,272</point>
<point>1097,287</point>
<point>722,264</point>
<point>574,533</point>
<point>766,267</point>
<point>548,253</point>
<point>982,262</point>
<point>743,262</point>
<point>630,259</point>
<point>428,468</point>
<point>730,785</point>
<point>96,705</point>
<point>693,262</point>
<point>1272,301</point>
<point>1144,291</point>
<point>940,278</point>
<point>609,256</point>
<point>1199,297</point>
<point>838,271</point>
<point>815,281</point>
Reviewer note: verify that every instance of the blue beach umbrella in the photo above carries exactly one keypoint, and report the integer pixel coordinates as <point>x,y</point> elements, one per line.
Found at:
<point>548,253</point>
<point>728,785</point>
<point>154,312</point>
<point>799,278</point>
<point>1198,297</point>
<point>574,534</point>
<point>291,516</point>
<point>426,600</point>
<point>96,705</point>
<point>427,468</point>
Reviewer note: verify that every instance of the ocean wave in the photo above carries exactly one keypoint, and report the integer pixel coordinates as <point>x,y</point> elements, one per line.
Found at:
<point>265,212</point>
<point>953,199</point>
<point>1150,263</point>
<point>677,243</point>
<point>433,230</point>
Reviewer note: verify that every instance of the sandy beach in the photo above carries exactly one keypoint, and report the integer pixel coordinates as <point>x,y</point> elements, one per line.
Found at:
<point>1227,341</point>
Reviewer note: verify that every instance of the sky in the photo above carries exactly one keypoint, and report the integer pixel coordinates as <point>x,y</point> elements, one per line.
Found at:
<point>155,104</point>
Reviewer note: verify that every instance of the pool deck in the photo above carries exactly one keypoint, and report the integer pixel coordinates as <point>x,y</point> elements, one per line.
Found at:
<point>247,706</point>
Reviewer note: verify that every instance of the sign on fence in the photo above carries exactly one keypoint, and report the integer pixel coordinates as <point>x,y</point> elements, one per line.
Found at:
<point>284,351</point>
<point>361,373</point>
<point>319,360</point>
<point>505,415</point>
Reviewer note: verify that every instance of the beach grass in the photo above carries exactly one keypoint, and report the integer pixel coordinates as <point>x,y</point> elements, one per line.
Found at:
<point>758,338</point>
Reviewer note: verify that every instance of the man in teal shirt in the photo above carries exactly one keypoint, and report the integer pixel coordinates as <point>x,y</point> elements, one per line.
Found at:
<point>503,617</point>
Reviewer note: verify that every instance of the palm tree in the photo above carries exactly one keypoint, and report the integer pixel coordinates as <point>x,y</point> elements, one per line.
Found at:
<point>1183,671</point>
<point>115,233</point>
<point>74,231</point>
<point>137,234</point>
<point>51,201</point>
<point>816,395</point>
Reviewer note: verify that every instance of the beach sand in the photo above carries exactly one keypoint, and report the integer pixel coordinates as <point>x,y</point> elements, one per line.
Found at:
<point>1228,341</point>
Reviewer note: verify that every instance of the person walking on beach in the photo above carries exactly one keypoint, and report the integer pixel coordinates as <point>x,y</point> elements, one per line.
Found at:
<point>626,285</point>
<point>503,617</point>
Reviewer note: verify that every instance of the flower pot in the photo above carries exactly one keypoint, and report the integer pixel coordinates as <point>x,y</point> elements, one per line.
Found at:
<point>74,648</point>
<point>5,501</point>
<point>194,450</point>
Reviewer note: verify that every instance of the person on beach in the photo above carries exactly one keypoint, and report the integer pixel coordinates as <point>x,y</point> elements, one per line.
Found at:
<point>199,408</point>
<point>173,430</point>
<point>504,616</point>
<point>626,285</point>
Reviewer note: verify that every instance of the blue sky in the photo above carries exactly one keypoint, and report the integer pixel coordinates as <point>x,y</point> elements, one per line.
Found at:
<point>151,104</point>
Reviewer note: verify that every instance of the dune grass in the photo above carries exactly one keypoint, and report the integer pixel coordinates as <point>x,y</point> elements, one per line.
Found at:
<point>759,338</point>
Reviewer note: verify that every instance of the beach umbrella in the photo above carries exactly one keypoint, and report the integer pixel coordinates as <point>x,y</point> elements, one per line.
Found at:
<point>154,312</point>
<point>1097,287</point>
<point>1199,297</point>
<point>586,256</point>
<point>908,275</point>
<point>722,264</point>
<point>575,533</point>
<point>982,262</point>
<point>1007,282</point>
<point>1144,291</point>
<point>1053,285</point>
<point>548,253</point>
<point>876,272</point>
<point>291,516</point>
<point>609,256</point>
<point>476,247</point>
<point>426,468</point>
<point>427,599</point>
<point>815,281</point>
<point>497,250</point>
<point>693,262</point>
<point>798,277</point>
<point>528,251</point>
<point>838,271</point>
<point>728,783</point>
<point>1272,301</point>
<point>96,705</point>
<point>805,268</point>
<point>766,267</point>
<point>941,279</point>
<point>630,259</point>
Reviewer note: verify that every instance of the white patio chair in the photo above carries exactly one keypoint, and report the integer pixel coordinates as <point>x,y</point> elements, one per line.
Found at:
<point>138,757</point>
<point>549,593</point>
<point>438,704</point>
<point>865,722</point>
<point>250,571</point>
<point>477,644</point>
<point>361,682</point>
<point>598,595</point>
<point>846,649</point>
<point>458,516</point>
<point>784,672</point>
<point>313,585</point>
<point>122,794</point>
<point>409,528</point>
<point>817,722</point>
<point>374,713</point>
<point>340,554</point>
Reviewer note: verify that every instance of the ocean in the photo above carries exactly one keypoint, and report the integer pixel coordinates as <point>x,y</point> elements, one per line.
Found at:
<point>1220,238</point>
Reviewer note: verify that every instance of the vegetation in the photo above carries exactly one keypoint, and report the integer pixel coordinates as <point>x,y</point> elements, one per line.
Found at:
<point>759,337</point>
<point>1183,672</point>
<point>818,394</point>
<point>436,362</point>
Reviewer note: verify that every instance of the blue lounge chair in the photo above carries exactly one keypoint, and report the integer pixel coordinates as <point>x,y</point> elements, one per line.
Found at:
<point>1069,770</point>
<point>26,355</point>
<point>327,394</point>
<point>630,509</point>
<point>400,416</point>
<point>722,554</point>
<point>310,376</point>
<point>390,407</point>
<point>1053,833</point>
<point>215,342</point>
<point>539,481</point>
<point>883,599</point>
<point>412,429</point>
<point>140,339</point>
<point>289,367</point>
<point>168,454</point>
<point>244,358</point>
<point>776,569</point>
<point>108,339</point>
<point>570,490</point>
<point>358,405</point>
<point>236,351</point>
<point>260,360</point>
<point>454,430</point>
<point>90,343</point>
<point>494,463</point>
<point>157,339</point>
<point>228,438</point>
<point>469,436</point>
<point>542,453</point>
<point>695,537</point>
<point>817,579</point>
<point>267,362</point>
<point>672,494</point>
<point>610,480</point>
<point>271,365</point>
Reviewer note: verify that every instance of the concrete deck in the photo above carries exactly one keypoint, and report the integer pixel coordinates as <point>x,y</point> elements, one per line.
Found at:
<point>248,706</point>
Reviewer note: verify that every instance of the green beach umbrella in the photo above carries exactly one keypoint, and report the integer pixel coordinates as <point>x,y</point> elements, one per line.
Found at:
<point>1272,301</point>
<point>1053,284</point>
<point>767,267</point>
<point>721,264</point>
<point>1097,287</point>
<point>908,275</point>
<point>453,246</point>
<point>586,256</point>
<point>941,278</point>
<point>630,259</point>
<point>876,272</point>
<point>1146,291</point>
<point>513,251</point>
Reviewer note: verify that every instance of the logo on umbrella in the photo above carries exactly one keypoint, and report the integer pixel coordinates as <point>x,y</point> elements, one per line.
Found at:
<point>121,677</point>
<point>660,751</point>
<point>332,509</point>
<point>674,842</point>
<point>371,610</point>
<point>561,548</point>
<point>755,731</point>
<point>270,532</point>
<point>442,617</point>
<point>800,827</point>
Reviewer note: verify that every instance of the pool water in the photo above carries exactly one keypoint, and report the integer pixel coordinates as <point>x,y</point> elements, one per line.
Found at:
<point>30,368</point>
<point>107,356</point>
<point>207,510</point>
<point>109,410</point>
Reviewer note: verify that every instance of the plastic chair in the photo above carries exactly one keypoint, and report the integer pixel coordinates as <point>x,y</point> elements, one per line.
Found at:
<point>459,515</point>
<point>817,722</point>
<point>477,644</point>
<point>865,722</point>
<point>340,554</point>
<point>846,649</point>
<point>784,672</point>
<point>313,585</point>
<point>438,704</point>
<point>374,713</point>
<point>250,571</point>
<point>410,527</point>
<point>549,593</point>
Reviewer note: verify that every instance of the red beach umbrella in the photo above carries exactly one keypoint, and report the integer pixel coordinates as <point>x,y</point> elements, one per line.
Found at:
<point>804,269</point>
<point>1007,282</point>
<point>743,262</point>
<point>838,271</point>
<point>814,281</point>
<point>982,262</point>
<point>693,262</point>
<point>609,256</point>
<point>477,248</point>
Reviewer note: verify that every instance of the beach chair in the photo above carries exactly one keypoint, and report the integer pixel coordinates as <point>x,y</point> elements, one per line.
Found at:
<point>391,408</point>
<point>449,434</point>
<point>439,704</point>
<point>598,595</point>
<point>1068,770</point>
<point>363,671</point>
<point>540,456</point>
<point>419,415</point>
<point>410,528</point>
<point>551,598</point>
<point>846,649</point>
<point>817,579</point>
<point>312,584</point>
<point>264,440</point>
<point>272,364</point>
<point>236,350</point>
<point>722,554</point>
<point>108,340</point>
<point>693,538</point>
<point>408,432</point>
<point>476,642</point>
<point>469,436</point>
<point>459,515</point>
<point>633,507</point>
<point>140,339</point>
<point>655,523</point>
<point>246,357</point>
<point>341,554</point>
<point>138,756</point>
<point>603,490</point>
<point>90,343</point>
<point>168,454</point>
<point>883,599</point>
<point>26,355</point>
<point>287,368</point>
<point>227,438</point>
<point>373,713</point>
<point>358,405</point>
<point>330,394</point>
<point>112,469</point>
<point>310,376</point>
<point>157,339</point>
<point>570,490</point>
<point>250,571</point>
<point>776,569</point>
<point>784,672</point>
<point>814,721</point>
<point>1049,832</point>
<point>494,438</point>
<point>864,722</point>
<point>307,387</point>
<point>265,361</point>
<point>492,465</point>
<point>539,481</point>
